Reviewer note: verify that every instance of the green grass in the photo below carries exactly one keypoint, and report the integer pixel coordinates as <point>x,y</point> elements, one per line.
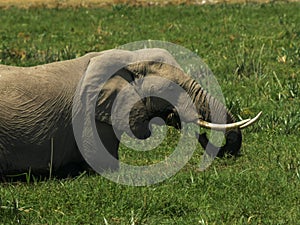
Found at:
<point>254,52</point>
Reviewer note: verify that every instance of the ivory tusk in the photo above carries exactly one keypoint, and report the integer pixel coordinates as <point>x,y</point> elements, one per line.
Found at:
<point>221,127</point>
<point>251,121</point>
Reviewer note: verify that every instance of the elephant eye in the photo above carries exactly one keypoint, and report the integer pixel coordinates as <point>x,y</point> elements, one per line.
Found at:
<point>152,89</point>
<point>171,88</point>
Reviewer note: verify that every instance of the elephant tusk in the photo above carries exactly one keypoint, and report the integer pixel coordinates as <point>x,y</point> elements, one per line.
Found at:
<point>221,127</point>
<point>251,121</point>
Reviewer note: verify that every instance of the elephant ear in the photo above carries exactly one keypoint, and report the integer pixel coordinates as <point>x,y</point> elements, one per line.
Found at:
<point>107,76</point>
<point>108,94</point>
<point>120,105</point>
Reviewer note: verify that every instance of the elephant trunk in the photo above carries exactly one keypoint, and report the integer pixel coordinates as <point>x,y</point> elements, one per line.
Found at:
<point>211,110</point>
<point>232,146</point>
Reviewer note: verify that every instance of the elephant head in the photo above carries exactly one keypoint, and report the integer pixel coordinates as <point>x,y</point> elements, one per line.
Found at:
<point>150,84</point>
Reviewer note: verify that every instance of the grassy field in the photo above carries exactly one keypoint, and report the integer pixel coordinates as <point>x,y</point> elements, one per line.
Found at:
<point>254,52</point>
<point>101,3</point>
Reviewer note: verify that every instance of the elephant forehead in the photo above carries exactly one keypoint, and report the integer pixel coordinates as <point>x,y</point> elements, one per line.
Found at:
<point>156,83</point>
<point>154,86</point>
<point>156,55</point>
<point>168,72</point>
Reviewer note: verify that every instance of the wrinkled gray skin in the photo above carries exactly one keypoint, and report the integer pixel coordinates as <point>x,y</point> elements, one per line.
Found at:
<point>36,106</point>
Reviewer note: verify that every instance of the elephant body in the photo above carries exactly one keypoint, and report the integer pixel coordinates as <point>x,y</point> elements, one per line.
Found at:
<point>36,109</point>
<point>36,104</point>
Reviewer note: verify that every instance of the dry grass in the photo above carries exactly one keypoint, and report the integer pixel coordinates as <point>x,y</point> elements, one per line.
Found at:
<point>103,3</point>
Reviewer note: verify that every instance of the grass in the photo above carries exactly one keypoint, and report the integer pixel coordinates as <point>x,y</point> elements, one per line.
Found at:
<point>104,3</point>
<point>254,52</point>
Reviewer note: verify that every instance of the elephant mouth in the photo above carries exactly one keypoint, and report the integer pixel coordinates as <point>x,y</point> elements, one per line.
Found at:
<point>158,112</point>
<point>142,127</point>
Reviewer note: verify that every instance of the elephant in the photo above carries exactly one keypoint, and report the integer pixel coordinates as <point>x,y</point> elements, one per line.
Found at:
<point>36,131</point>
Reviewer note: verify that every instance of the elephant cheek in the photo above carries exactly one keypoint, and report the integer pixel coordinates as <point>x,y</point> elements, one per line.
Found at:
<point>140,130</point>
<point>139,122</point>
